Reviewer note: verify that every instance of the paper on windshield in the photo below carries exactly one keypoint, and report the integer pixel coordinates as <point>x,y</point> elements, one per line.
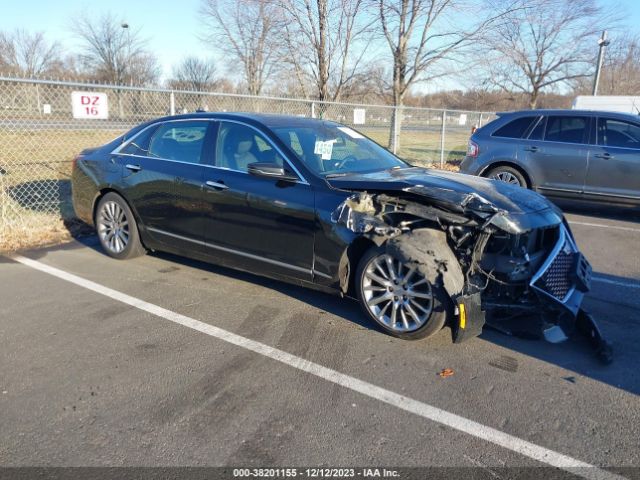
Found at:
<point>324,149</point>
<point>350,132</point>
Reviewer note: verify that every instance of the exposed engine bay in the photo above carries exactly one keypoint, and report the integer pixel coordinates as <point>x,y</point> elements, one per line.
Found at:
<point>520,278</point>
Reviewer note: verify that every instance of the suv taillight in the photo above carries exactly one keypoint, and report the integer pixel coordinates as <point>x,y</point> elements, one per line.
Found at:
<point>472,149</point>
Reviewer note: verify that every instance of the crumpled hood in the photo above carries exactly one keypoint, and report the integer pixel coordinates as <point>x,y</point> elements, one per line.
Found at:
<point>522,208</point>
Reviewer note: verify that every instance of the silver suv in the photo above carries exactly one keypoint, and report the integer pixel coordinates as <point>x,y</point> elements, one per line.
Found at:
<point>561,153</point>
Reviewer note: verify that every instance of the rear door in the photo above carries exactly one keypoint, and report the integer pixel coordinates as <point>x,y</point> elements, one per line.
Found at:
<point>163,180</point>
<point>557,152</point>
<point>614,162</point>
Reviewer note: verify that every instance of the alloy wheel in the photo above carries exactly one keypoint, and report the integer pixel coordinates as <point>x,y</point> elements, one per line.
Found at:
<point>113,227</point>
<point>506,177</point>
<point>398,295</point>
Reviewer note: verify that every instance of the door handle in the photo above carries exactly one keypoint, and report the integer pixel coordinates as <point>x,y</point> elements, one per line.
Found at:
<point>531,149</point>
<point>216,185</point>
<point>606,156</point>
<point>133,168</point>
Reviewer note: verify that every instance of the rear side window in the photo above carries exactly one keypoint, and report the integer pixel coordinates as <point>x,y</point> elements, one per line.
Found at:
<point>181,141</point>
<point>515,128</point>
<point>618,133</point>
<point>566,129</point>
<point>139,145</point>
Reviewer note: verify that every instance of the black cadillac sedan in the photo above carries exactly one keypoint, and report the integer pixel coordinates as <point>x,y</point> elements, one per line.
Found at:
<point>317,203</point>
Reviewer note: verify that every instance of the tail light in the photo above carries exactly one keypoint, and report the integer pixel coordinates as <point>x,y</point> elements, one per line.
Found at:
<point>472,149</point>
<point>74,162</point>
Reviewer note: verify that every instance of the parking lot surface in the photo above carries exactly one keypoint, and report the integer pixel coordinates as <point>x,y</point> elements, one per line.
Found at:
<point>89,379</point>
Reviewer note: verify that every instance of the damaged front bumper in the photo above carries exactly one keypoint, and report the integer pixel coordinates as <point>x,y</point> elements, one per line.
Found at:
<point>500,263</point>
<point>560,284</point>
<point>565,276</point>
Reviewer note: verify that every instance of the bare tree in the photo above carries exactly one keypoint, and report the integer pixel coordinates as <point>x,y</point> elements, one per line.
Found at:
<point>245,31</point>
<point>423,37</point>
<point>28,54</point>
<point>112,52</point>
<point>322,39</point>
<point>544,44</point>
<point>194,74</point>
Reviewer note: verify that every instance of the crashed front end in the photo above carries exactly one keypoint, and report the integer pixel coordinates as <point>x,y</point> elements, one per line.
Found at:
<point>521,273</point>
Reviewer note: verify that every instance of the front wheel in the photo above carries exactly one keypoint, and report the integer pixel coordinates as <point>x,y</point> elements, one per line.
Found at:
<point>117,229</point>
<point>398,297</point>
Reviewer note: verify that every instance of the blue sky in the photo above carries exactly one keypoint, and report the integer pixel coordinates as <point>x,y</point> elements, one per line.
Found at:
<point>170,27</point>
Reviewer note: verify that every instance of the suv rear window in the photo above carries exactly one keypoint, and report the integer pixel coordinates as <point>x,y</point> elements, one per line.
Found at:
<point>515,128</point>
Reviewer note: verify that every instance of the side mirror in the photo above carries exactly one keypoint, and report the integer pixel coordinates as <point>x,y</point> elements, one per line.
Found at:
<point>270,170</point>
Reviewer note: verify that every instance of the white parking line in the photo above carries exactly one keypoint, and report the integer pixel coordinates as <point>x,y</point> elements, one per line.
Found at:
<point>424,410</point>
<point>601,225</point>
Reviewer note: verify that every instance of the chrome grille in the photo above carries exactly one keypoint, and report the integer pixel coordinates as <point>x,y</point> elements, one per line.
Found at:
<point>557,279</point>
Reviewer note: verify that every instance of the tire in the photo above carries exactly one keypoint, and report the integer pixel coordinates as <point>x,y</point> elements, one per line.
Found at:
<point>371,283</point>
<point>117,229</point>
<point>508,175</point>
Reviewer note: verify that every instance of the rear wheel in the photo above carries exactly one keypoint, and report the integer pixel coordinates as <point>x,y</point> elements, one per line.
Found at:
<point>117,229</point>
<point>508,175</point>
<point>398,297</point>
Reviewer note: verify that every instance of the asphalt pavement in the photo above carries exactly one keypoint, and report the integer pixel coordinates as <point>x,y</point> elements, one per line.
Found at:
<point>154,374</point>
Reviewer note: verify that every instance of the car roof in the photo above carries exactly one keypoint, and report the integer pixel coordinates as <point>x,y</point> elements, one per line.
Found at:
<point>566,111</point>
<point>267,119</point>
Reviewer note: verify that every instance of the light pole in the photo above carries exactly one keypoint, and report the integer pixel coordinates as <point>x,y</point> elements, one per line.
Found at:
<point>125,26</point>
<point>603,43</point>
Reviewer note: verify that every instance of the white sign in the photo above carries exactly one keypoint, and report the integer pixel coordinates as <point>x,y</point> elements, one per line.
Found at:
<point>324,149</point>
<point>46,109</point>
<point>359,116</point>
<point>90,105</point>
<point>463,119</point>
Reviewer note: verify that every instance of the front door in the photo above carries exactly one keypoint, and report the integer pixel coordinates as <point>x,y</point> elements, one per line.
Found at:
<point>614,163</point>
<point>263,223</point>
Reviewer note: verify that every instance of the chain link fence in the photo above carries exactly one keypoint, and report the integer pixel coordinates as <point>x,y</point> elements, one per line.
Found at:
<point>41,131</point>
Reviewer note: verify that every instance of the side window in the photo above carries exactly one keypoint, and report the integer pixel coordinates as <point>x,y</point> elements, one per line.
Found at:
<point>240,145</point>
<point>515,128</point>
<point>181,141</point>
<point>538,131</point>
<point>140,143</point>
<point>566,129</point>
<point>618,133</point>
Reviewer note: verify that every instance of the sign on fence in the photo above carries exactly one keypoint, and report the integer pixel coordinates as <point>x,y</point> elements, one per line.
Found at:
<point>90,105</point>
<point>359,116</point>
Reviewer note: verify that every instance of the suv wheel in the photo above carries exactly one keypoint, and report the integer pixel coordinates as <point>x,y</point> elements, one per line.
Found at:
<point>508,175</point>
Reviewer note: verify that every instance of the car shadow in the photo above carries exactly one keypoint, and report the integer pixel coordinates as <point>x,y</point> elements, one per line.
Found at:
<point>346,308</point>
<point>615,311</point>
<point>45,196</point>
<point>599,211</point>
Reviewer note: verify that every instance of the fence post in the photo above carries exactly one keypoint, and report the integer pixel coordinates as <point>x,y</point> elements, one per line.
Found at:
<point>442,134</point>
<point>394,127</point>
<point>313,109</point>
<point>172,101</point>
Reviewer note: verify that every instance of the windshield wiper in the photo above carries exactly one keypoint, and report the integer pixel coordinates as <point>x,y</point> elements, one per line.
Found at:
<point>334,175</point>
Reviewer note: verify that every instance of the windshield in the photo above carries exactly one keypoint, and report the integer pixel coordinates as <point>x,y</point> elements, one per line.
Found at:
<point>330,149</point>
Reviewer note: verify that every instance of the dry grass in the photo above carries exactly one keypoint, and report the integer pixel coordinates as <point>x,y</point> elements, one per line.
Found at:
<point>423,147</point>
<point>35,165</point>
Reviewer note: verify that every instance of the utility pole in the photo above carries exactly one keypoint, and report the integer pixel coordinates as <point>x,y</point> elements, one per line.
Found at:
<point>603,43</point>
